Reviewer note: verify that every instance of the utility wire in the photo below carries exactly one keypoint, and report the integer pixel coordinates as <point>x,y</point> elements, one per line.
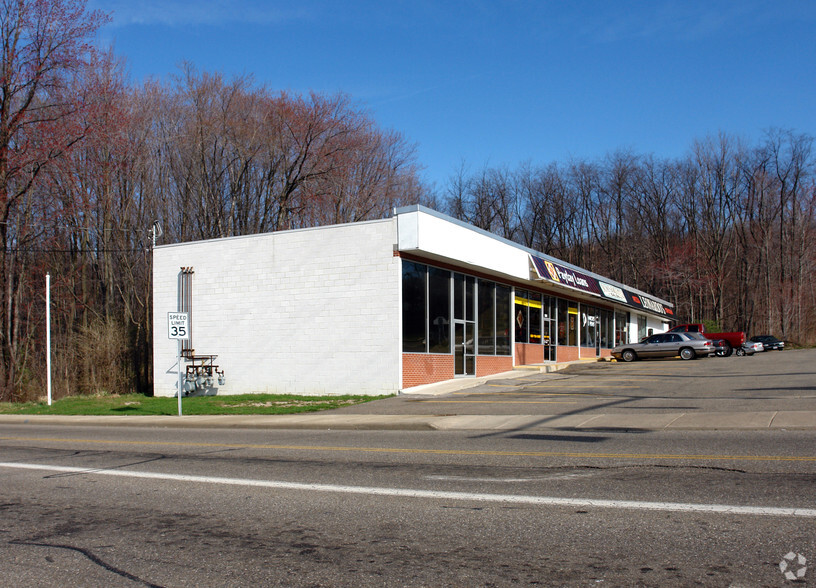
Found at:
<point>77,250</point>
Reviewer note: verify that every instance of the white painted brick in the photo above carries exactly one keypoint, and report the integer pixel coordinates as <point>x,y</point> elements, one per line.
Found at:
<point>289,311</point>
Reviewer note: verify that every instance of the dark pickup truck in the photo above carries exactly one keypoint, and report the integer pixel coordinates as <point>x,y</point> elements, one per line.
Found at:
<point>732,340</point>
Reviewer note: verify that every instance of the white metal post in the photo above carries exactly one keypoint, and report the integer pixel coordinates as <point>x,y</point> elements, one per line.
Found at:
<point>48,332</point>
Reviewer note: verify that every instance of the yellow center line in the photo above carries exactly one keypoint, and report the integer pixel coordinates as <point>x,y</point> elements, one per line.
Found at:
<point>584,394</point>
<point>610,380</point>
<point>498,401</point>
<point>588,455</point>
<point>571,386</point>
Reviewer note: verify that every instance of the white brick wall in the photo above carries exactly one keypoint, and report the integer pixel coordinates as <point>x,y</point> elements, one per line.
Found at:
<point>314,311</point>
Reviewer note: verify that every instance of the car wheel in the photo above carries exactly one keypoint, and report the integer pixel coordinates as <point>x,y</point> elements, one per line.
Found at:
<point>741,352</point>
<point>628,355</point>
<point>687,353</point>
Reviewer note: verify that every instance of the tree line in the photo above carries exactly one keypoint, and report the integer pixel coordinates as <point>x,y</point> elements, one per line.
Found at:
<point>726,233</point>
<point>90,161</point>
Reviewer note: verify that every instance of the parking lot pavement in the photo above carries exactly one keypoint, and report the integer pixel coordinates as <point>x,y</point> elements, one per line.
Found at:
<point>772,390</point>
<point>766,391</point>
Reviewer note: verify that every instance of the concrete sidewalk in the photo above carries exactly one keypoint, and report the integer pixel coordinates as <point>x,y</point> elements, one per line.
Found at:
<point>770,420</point>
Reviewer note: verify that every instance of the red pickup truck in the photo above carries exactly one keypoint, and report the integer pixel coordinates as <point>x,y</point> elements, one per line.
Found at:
<point>732,340</point>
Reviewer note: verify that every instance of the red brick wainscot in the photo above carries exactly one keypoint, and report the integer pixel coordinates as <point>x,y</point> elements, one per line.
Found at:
<point>487,365</point>
<point>528,354</point>
<point>425,368</point>
<point>575,353</point>
<point>419,369</point>
<point>564,353</point>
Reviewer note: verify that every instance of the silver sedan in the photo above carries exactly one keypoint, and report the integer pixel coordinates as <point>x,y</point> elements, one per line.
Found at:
<point>666,345</point>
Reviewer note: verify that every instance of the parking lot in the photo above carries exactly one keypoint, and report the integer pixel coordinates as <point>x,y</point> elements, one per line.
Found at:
<point>766,382</point>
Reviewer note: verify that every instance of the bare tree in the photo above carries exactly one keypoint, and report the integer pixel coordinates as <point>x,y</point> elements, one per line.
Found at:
<point>727,233</point>
<point>43,43</point>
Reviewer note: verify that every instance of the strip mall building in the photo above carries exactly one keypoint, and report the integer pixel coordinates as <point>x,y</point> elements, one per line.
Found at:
<point>378,307</point>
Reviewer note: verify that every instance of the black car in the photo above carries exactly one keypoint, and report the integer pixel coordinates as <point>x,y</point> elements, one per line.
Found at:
<point>769,342</point>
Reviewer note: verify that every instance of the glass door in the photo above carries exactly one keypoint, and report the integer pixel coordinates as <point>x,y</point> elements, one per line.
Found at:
<point>548,327</point>
<point>464,348</point>
<point>464,325</point>
<point>548,339</point>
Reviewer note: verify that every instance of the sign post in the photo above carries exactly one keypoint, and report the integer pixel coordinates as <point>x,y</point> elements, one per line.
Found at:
<point>178,327</point>
<point>48,331</point>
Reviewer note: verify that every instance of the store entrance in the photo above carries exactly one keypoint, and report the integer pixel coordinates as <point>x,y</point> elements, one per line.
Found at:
<point>464,325</point>
<point>464,356</point>
<point>548,339</point>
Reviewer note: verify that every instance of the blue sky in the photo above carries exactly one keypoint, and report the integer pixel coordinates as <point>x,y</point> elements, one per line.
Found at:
<point>499,83</point>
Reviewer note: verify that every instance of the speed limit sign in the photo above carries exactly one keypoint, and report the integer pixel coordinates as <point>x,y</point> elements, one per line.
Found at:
<point>178,325</point>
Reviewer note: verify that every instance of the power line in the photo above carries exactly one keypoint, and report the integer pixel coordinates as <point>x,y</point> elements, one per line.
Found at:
<point>140,250</point>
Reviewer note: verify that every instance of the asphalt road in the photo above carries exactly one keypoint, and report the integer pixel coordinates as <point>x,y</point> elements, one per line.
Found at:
<point>105,506</point>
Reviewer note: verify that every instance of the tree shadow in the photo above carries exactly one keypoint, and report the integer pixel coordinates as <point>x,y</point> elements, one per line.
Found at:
<point>125,408</point>
<point>566,438</point>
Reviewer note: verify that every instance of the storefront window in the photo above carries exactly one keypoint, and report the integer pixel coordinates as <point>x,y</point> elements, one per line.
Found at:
<point>522,319</point>
<point>503,325</point>
<point>458,290</point>
<point>589,326</point>
<point>434,300</point>
<point>439,286</point>
<point>535,318</point>
<point>621,328</point>
<point>470,302</point>
<point>607,329</point>
<point>642,332</point>
<point>562,322</point>
<point>572,327</point>
<point>413,307</point>
<point>487,318</point>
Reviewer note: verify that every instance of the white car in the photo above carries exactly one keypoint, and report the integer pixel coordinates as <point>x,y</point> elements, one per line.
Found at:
<point>750,347</point>
<point>686,345</point>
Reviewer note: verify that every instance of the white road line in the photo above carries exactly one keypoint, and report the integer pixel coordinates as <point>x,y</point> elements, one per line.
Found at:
<point>434,494</point>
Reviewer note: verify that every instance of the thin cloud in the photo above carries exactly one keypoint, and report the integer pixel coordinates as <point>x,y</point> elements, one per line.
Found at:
<point>686,20</point>
<point>173,13</point>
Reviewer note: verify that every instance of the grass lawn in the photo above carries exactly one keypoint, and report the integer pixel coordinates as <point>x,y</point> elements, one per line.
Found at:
<point>137,404</point>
